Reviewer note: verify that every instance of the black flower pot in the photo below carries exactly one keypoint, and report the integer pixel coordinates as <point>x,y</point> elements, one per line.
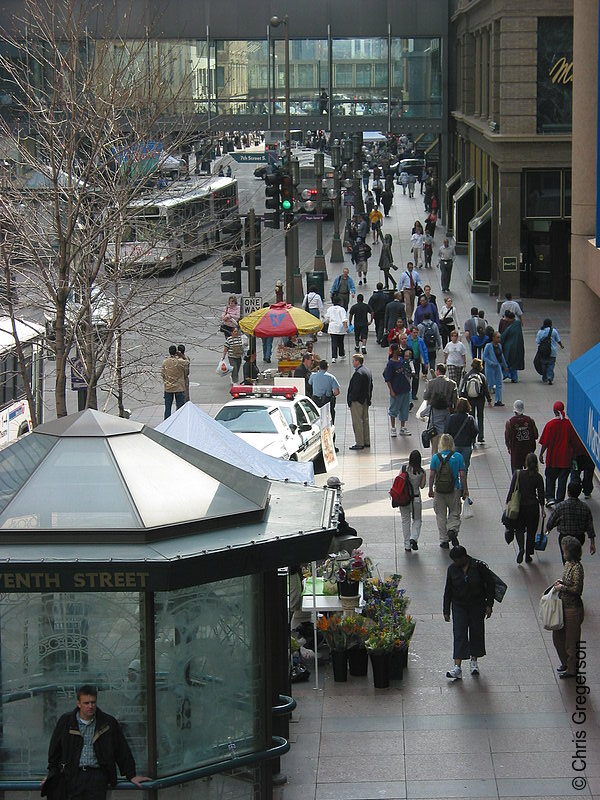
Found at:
<point>348,588</point>
<point>358,661</point>
<point>396,665</point>
<point>380,664</point>
<point>339,661</point>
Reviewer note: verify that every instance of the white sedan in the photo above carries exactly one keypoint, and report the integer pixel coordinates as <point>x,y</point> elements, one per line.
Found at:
<point>275,420</point>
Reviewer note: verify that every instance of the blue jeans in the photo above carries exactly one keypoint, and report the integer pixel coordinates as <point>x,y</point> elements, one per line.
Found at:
<point>511,373</point>
<point>267,345</point>
<point>493,373</point>
<point>548,367</point>
<point>466,454</point>
<point>179,401</point>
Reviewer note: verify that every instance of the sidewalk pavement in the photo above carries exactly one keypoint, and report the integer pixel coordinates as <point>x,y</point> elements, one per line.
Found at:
<point>508,733</point>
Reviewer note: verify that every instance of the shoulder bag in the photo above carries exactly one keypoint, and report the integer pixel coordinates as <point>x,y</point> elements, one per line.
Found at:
<point>550,610</point>
<point>499,586</point>
<point>513,505</point>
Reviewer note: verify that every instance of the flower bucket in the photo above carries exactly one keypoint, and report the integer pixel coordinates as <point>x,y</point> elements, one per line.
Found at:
<point>348,588</point>
<point>339,661</point>
<point>380,664</point>
<point>358,661</point>
<point>396,665</point>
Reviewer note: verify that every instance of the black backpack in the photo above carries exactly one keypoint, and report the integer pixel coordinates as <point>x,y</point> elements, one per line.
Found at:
<point>429,336</point>
<point>545,346</point>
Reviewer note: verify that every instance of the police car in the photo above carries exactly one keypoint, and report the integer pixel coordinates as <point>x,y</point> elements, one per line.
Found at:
<point>274,419</point>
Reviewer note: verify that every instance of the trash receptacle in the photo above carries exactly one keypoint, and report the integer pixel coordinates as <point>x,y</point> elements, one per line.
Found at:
<point>316,279</point>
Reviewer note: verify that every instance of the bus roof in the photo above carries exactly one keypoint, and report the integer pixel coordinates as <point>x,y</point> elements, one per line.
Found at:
<point>184,192</point>
<point>26,331</point>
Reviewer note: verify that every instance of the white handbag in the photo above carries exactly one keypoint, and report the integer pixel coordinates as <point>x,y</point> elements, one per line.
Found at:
<point>551,610</point>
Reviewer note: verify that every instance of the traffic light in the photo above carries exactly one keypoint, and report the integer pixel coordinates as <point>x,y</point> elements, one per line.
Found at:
<point>272,188</point>
<point>257,239</point>
<point>286,194</point>
<point>257,280</point>
<point>231,234</point>
<point>231,279</point>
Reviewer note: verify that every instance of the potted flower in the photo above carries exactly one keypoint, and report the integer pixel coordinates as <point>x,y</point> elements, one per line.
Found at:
<point>380,644</point>
<point>348,569</point>
<point>334,634</point>
<point>357,630</point>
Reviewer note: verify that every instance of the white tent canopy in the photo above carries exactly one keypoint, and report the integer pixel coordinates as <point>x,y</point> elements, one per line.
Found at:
<point>192,426</point>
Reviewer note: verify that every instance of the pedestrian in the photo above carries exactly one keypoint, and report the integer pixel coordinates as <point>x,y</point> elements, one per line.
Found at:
<point>474,387</point>
<point>455,357</point>
<point>448,320</point>
<point>531,502</point>
<point>336,317</point>
<point>387,197</point>
<point>386,262</point>
<point>430,334</point>
<point>86,747</point>
<point>447,485</point>
<point>342,287</point>
<point>520,436</point>
<point>313,302</point>
<point>409,280</point>
<point>394,311</point>
<point>279,291</point>
<point>377,303</point>
<point>397,332</point>
<point>442,396</point>
<point>325,387</point>
<point>447,254</point>
<point>397,375</point>
<point>566,640</point>
<point>361,317</point>
<point>427,249</point>
<point>493,358</point>
<point>431,298</point>
<point>267,343</point>
<point>369,202</point>
<point>470,328</point>
<point>425,305</point>
<point>416,242</point>
<point>360,391</point>
<point>430,223</point>
<point>420,359</point>
<point>582,462</point>
<point>412,179</point>
<point>557,439</point>
<point>548,340</point>
<point>181,354</point>
<point>463,429</point>
<point>412,514</point>
<point>513,346</point>
<point>469,595</point>
<point>376,218</point>
<point>361,255</point>
<point>174,371</point>
<point>234,350</point>
<point>378,189</point>
<point>403,181</point>
<point>571,517</point>
<point>230,315</point>
<point>304,370</point>
<point>250,372</point>
<point>511,305</point>
<point>366,174</point>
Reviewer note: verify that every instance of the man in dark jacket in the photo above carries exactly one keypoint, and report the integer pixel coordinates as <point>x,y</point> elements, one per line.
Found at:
<point>360,390</point>
<point>87,745</point>
<point>304,370</point>
<point>394,310</point>
<point>377,303</point>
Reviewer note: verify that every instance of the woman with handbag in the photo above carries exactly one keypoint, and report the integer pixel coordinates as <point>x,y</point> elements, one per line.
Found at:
<point>448,320</point>
<point>531,500</point>
<point>570,588</point>
<point>230,316</point>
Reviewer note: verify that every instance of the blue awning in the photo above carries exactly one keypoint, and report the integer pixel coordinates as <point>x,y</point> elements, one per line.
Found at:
<point>583,399</point>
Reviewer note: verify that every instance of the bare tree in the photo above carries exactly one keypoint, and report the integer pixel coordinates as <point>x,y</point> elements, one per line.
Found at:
<point>85,106</point>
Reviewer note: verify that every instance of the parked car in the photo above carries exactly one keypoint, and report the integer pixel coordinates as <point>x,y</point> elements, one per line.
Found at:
<point>275,420</point>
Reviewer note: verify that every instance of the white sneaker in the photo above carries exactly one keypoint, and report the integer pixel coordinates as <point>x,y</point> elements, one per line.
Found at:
<point>455,673</point>
<point>393,432</point>
<point>474,667</point>
<point>342,358</point>
<point>333,360</point>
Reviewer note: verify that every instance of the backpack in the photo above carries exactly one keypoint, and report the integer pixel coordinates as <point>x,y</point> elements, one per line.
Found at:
<point>402,492</point>
<point>473,385</point>
<point>545,346</point>
<point>445,482</point>
<point>429,336</point>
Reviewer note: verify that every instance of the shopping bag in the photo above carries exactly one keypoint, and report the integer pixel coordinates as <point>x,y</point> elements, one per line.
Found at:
<point>541,538</point>
<point>551,610</point>
<point>423,410</point>
<point>224,367</point>
<point>514,501</point>
<point>467,509</point>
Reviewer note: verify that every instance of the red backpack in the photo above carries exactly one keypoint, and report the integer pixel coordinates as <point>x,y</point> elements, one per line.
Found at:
<point>402,492</point>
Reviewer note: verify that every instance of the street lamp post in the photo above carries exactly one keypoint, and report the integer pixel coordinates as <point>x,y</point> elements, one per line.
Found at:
<point>337,252</point>
<point>319,265</point>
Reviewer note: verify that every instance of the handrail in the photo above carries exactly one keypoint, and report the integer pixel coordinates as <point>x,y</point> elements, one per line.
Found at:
<point>286,706</point>
<point>279,747</point>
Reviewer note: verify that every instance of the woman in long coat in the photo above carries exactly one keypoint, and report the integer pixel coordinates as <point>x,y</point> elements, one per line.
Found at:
<point>386,261</point>
<point>513,346</point>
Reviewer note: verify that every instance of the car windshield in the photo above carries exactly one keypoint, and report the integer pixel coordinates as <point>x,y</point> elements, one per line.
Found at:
<point>246,419</point>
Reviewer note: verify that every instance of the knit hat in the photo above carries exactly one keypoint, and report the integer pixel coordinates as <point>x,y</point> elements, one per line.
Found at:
<point>559,408</point>
<point>519,406</point>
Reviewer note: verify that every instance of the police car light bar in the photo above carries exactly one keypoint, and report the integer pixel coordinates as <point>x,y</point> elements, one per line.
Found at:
<point>288,392</point>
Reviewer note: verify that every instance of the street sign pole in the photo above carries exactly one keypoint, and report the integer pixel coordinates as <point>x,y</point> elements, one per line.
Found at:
<point>252,255</point>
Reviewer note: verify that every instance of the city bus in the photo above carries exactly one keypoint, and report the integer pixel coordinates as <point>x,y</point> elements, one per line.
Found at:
<point>169,227</point>
<point>15,414</point>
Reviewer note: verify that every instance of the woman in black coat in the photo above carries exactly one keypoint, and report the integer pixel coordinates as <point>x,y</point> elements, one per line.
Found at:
<point>531,488</point>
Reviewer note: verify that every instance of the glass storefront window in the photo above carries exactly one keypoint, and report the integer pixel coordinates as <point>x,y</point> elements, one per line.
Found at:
<point>360,76</point>
<point>208,674</point>
<point>416,78</point>
<point>543,193</point>
<point>54,642</point>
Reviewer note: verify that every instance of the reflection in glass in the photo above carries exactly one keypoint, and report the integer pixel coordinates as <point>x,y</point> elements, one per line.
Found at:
<point>308,77</point>
<point>360,76</point>
<point>208,668</point>
<point>241,77</point>
<point>50,644</point>
<point>416,78</point>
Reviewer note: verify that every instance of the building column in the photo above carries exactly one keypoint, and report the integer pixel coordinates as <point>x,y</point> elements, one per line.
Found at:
<point>507,231</point>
